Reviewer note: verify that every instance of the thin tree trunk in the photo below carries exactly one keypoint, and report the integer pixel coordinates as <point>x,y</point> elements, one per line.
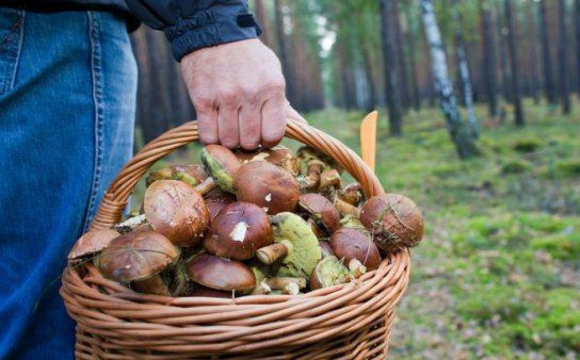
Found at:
<point>369,71</point>
<point>463,67</point>
<point>464,143</point>
<point>391,86</point>
<point>563,57</point>
<point>489,60</point>
<point>282,51</point>
<point>505,82</point>
<point>262,18</point>
<point>546,55</point>
<point>516,92</point>
<point>410,38</point>
<point>401,56</point>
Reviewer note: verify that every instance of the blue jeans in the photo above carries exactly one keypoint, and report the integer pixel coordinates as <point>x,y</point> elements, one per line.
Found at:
<point>67,105</point>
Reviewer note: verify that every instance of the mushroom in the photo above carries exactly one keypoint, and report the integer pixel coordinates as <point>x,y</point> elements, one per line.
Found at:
<point>349,243</point>
<point>328,272</point>
<point>132,223</point>
<point>326,248</point>
<point>218,273</point>
<point>268,186</point>
<point>312,164</point>
<point>394,220</point>
<point>177,211</point>
<point>295,244</point>
<point>222,165</point>
<point>190,174</point>
<point>215,202</point>
<point>91,243</point>
<point>351,194</point>
<point>278,155</point>
<point>201,291</point>
<point>329,178</point>
<point>322,210</point>
<point>238,231</point>
<point>138,258</point>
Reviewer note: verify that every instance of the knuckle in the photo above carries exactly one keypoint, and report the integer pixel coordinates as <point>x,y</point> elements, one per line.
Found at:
<point>202,102</point>
<point>229,95</point>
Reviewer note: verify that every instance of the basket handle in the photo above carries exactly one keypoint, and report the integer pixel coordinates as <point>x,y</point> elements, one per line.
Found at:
<point>115,199</point>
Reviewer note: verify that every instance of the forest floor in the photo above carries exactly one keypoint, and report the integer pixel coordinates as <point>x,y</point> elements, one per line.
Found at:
<point>498,273</point>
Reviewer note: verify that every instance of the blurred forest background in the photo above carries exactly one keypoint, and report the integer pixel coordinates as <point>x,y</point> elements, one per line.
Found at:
<point>480,124</point>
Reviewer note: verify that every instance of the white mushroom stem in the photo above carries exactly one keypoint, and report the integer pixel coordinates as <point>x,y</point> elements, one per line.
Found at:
<point>206,186</point>
<point>356,268</point>
<point>262,289</point>
<point>280,283</point>
<point>291,289</point>
<point>131,223</point>
<point>345,208</point>
<point>269,254</point>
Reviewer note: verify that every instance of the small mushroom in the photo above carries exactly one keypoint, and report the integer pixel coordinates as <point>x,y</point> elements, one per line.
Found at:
<point>349,243</point>
<point>351,194</point>
<point>238,231</point>
<point>279,283</point>
<point>220,274</point>
<point>91,243</point>
<point>394,220</point>
<point>269,186</point>
<point>138,258</point>
<point>177,211</point>
<point>322,210</point>
<point>278,155</point>
<point>189,174</point>
<point>312,164</point>
<point>329,178</point>
<point>222,165</point>
<point>295,244</point>
<point>328,272</point>
<point>215,202</point>
<point>326,248</point>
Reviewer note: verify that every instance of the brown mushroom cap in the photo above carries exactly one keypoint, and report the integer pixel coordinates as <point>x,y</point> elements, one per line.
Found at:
<point>201,291</point>
<point>278,155</point>
<point>190,174</point>
<point>354,243</point>
<point>394,220</point>
<point>135,256</point>
<point>177,211</point>
<point>220,274</point>
<point>222,164</point>
<point>216,202</point>
<point>322,210</point>
<point>351,194</point>
<point>238,231</point>
<point>326,248</point>
<point>269,186</point>
<point>92,242</point>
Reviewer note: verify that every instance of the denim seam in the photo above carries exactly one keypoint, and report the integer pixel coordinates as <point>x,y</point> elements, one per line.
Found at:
<point>17,29</point>
<point>97,78</point>
<point>19,49</point>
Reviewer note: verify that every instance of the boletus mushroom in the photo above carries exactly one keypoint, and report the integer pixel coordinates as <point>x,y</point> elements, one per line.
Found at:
<point>269,186</point>
<point>218,273</point>
<point>350,243</point>
<point>217,200</point>
<point>321,210</point>
<point>137,258</point>
<point>394,220</point>
<point>91,243</point>
<point>238,231</point>
<point>278,155</point>
<point>190,174</point>
<point>295,245</point>
<point>351,194</point>
<point>312,165</point>
<point>222,165</point>
<point>328,272</point>
<point>175,210</point>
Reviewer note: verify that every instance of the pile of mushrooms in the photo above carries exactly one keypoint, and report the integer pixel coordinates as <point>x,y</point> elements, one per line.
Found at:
<point>250,223</point>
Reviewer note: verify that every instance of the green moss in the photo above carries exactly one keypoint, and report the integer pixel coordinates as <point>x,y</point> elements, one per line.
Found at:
<point>527,145</point>
<point>568,167</point>
<point>515,166</point>
<point>560,246</point>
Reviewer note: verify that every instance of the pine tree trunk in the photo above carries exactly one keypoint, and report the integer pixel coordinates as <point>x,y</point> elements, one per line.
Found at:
<point>391,86</point>
<point>262,19</point>
<point>282,51</point>
<point>489,60</point>
<point>463,68</point>
<point>563,58</point>
<point>401,56</point>
<point>514,64</point>
<point>369,71</point>
<point>464,143</point>
<point>412,59</point>
<point>505,78</point>
<point>546,55</point>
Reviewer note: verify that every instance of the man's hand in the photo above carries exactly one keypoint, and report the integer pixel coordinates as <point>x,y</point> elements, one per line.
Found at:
<point>239,94</point>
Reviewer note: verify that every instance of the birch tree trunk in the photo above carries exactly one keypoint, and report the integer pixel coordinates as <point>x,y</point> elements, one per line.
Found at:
<point>563,58</point>
<point>489,59</point>
<point>546,56</point>
<point>459,135</point>
<point>514,64</point>
<point>391,84</point>
<point>463,68</point>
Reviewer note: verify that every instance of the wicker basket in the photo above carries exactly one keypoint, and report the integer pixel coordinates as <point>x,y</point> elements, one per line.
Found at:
<point>348,321</point>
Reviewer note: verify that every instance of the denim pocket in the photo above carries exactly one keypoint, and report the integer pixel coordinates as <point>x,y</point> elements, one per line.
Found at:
<point>11,28</point>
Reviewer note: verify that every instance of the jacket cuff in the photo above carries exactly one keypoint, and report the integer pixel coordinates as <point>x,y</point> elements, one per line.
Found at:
<point>225,22</point>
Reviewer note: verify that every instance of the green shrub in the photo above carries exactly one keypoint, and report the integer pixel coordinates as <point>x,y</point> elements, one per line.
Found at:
<point>568,167</point>
<point>560,246</point>
<point>515,166</point>
<point>527,145</point>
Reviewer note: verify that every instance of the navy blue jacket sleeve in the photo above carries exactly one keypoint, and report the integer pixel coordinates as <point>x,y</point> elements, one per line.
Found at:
<point>194,24</point>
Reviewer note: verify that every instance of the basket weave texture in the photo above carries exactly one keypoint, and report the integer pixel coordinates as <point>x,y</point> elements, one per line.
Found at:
<point>347,321</point>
